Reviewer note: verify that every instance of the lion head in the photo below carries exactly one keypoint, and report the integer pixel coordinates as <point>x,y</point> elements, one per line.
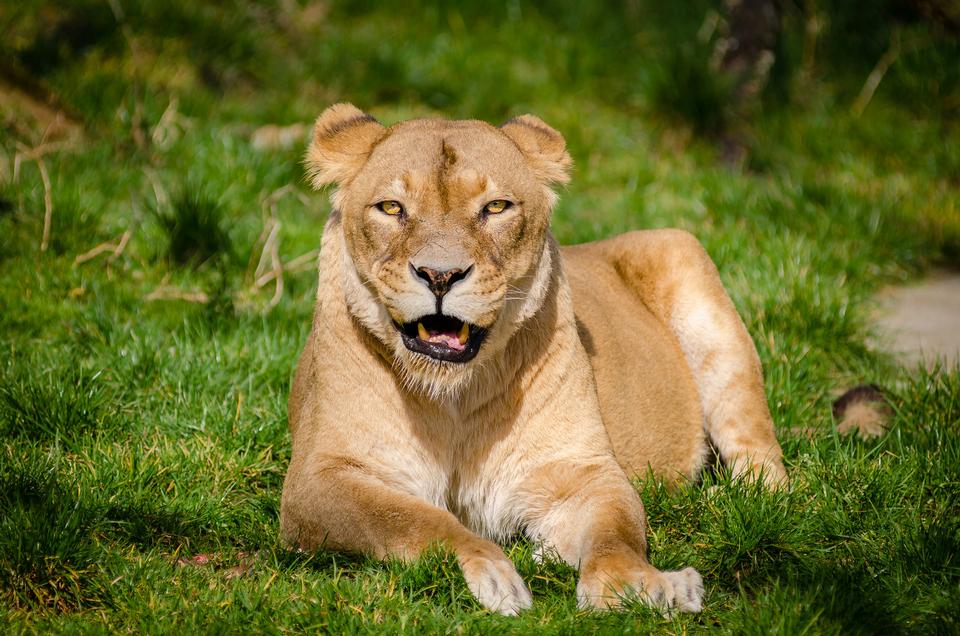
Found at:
<point>445,227</point>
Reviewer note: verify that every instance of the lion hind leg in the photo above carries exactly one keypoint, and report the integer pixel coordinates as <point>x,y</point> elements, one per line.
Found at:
<point>675,277</point>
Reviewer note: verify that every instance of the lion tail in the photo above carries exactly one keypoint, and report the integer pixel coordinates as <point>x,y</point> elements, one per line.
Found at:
<point>863,410</point>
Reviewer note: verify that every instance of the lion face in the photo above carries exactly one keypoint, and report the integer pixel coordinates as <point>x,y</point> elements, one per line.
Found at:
<point>445,226</point>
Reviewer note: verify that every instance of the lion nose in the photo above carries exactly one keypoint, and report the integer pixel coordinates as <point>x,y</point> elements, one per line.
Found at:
<point>441,280</point>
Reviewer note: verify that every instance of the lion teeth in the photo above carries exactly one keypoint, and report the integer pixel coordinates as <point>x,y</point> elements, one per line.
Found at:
<point>422,331</point>
<point>464,334</point>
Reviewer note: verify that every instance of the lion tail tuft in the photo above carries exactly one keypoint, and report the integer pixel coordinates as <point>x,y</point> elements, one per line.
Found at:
<point>863,410</point>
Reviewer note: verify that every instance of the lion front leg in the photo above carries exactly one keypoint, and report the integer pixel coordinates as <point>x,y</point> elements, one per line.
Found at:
<point>594,520</point>
<point>675,277</point>
<point>338,504</point>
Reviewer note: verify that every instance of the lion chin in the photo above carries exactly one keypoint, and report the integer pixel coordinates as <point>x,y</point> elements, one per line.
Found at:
<point>436,380</point>
<point>467,379</point>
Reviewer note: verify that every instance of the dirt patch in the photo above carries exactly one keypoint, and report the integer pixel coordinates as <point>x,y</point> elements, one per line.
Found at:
<point>921,322</point>
<point>34,119</point>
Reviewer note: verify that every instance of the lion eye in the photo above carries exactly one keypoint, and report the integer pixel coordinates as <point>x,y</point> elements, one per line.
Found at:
<point>496,207</point>
<point>390,207</point>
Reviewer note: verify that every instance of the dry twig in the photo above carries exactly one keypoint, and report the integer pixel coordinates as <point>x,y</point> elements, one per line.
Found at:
<point>136,56</point>
<point>36,154</point>
<point>32,154</point>
<point>300,262</point>
<point>876,75</point>
<point>47,204</point>
<point>277,269</point>
<point>94,252</point>
<point>122,245</point>
<point>115,249</point>
<point>272,228</point>
<point>165,292</point>
<point>159,193</point>
<point>170,126</point>
<point>269,266</point>
<point>811,32</point>
<point>293,265</point>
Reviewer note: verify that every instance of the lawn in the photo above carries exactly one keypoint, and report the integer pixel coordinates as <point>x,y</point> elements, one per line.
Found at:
<point>147,343</point>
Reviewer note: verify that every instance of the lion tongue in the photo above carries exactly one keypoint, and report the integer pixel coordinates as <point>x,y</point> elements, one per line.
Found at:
<point>449,339</point>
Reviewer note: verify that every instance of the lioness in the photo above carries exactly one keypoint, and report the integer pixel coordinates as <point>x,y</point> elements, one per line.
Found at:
<point>467,379</point>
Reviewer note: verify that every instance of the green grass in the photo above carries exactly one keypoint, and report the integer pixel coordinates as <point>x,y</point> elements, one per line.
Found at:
<point>139,427</point>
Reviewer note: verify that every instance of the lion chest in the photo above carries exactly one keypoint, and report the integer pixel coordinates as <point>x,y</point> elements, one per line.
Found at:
<point>476,486</point>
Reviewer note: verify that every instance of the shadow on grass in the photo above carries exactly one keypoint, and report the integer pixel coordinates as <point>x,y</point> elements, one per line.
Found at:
<point>193,225</point>
<point>52,408</point>
<point>148,525</point>
<point>855,596</point>
<point>841,598</point>
<point>857,589</point>
<point>55,534</point>
<point>46,536</point>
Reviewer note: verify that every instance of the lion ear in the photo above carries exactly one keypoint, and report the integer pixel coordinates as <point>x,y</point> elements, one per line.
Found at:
<point>544,148</point>
<point>343,137</point>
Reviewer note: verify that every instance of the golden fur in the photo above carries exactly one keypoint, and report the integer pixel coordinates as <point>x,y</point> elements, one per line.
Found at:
<point>600,360</point>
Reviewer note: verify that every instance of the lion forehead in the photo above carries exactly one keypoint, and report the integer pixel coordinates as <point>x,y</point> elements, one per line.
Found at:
<point>417,184</point>
<point>461,154</point>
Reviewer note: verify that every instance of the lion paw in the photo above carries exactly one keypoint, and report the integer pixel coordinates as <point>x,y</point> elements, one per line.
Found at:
<point>495,582</point>
<point>667,592</point>
<point>687,590</point>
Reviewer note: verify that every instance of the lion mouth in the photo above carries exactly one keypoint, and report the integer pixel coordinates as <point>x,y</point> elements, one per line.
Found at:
<point>442,337</point>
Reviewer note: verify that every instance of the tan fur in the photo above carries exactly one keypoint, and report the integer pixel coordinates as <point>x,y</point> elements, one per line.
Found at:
<point>622,355</point>
<point>863,410</point>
